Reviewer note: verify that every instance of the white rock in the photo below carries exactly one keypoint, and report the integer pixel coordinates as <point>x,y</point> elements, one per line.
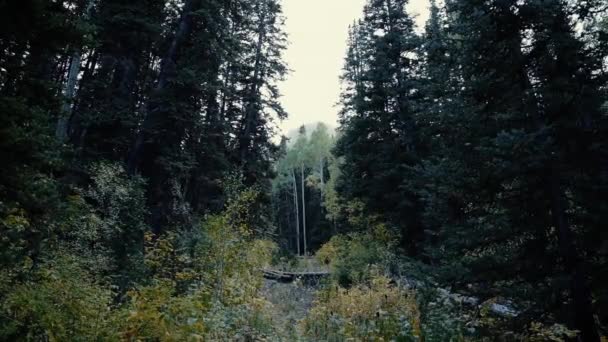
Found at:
<point>503,310</point>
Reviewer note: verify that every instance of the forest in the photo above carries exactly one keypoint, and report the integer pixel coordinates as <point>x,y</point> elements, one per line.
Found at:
<point>147,192</point>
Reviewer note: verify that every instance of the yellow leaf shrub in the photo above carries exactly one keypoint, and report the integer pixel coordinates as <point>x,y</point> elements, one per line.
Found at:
<point>328,253</point>
<point>378,311</point>
<point>155,313</point>
<point>209,291</point>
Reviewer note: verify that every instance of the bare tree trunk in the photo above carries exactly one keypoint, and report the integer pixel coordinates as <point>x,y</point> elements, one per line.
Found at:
<point>295,202</point>
<point>61,132</point>
<point>322,165</point>
<point>322,175</point>
<point>75,127</point>
<point>303,209</point>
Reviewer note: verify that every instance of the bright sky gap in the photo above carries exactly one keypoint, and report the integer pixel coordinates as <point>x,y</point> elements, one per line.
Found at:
<point>316,56</point>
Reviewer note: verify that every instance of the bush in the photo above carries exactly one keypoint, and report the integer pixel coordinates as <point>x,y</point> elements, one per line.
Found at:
<point>206,285</point>
<point>64,303</point>
<point>352,257</point>
<point>156,313</point>
<point>104,224</point>
<point>198,285</point>
<point>375,312</point>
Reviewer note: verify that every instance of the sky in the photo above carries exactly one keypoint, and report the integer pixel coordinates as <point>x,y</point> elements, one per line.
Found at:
<point>317,31</point>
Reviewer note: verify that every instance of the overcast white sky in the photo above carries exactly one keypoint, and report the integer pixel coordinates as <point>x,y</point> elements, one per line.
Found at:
<point>317,32</point>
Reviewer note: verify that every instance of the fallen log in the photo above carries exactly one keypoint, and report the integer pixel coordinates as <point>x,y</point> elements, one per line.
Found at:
<point>287,277</point>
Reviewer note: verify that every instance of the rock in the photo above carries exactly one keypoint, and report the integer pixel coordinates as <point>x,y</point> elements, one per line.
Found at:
<point>471,301</point>
<point>457,298</point>
<point>503,310</point>
<point>499,307</point>
<point>465,300</point>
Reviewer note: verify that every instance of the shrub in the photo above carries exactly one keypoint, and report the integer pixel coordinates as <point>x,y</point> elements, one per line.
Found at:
<point>104,224</point>
<point>64,303</point>
<point>206,285</point>
<point>352,257</point>
<point>375,312</point>
<point>156,313</point>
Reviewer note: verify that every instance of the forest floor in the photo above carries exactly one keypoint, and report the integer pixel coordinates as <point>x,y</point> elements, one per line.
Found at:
<point>290,304</point>
<point>292,301</point>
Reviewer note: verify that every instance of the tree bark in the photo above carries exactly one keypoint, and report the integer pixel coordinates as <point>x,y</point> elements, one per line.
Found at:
<point>322,175</point>
<point>69,90</point>
<point>583,317</point>
<point>303,210</point>
<point>167,72</point>
<point>297,210</point>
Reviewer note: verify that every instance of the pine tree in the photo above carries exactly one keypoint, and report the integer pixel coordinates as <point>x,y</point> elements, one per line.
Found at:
<point>263,69</point>
<point>515,151</point>
<point>379,139</point>
<point>33,40</point>
<point>107,112</point>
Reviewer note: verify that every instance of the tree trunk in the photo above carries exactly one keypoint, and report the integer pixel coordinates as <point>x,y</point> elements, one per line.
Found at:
<point>69,91</point>
<point>297,210</point>
<point>165,193</point>
<point>61,131</point>
<point>583,317</point>
<point>75,126</point>
<point>167,72</point>
<point>251,112</point>
<point>335,225</point>
<point>322,175</point>
<point>303,210</point>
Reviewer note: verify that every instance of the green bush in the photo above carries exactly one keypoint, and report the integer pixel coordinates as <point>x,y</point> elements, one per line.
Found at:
<point>352,257</point>
<point>204,289</point>
<point>62,303</point>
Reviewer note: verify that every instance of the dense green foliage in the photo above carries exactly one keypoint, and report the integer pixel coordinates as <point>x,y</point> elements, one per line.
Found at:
<point>463,197</point>
<point>137,161</point>
<point>300,191</point>
<point>483,144</point>
<point>200,288</point>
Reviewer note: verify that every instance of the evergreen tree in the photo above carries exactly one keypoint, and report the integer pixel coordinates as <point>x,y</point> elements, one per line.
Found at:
<point>33,40</point>
<point>505,106</point>
<point>116,77</point>
<point>379,139</point>
<point>175,146</point>
<point>509,148</point>
<point>263,68</point>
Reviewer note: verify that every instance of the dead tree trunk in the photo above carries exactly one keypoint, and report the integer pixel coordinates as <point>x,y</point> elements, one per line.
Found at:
<point>297,210</point>
<point>303,210</point>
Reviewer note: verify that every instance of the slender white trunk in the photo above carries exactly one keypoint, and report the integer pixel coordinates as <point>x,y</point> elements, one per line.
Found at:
<point>322,165</point>
<point>303,210</point>
<point>295,203</point>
